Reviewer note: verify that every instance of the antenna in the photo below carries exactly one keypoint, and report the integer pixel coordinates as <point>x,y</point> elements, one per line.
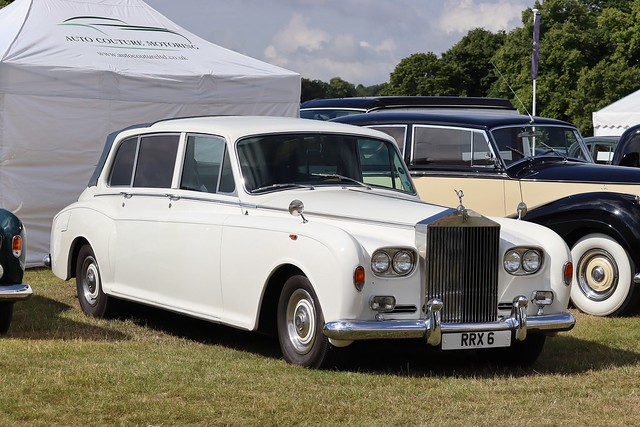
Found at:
<point>512,91</point>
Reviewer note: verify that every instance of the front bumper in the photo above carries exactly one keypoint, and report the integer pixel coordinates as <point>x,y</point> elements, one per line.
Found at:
<point>12,293</point>
<point>431,328</point>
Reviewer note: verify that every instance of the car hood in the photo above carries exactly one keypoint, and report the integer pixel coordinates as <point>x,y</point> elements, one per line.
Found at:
<point>351,203</point>
<point>548,169</point>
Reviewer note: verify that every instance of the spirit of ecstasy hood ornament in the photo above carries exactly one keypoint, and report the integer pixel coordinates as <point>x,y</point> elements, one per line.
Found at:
<point>461,209</point>
<point>460,195</point>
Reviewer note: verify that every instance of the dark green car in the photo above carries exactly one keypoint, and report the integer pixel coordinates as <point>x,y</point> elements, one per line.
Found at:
<point>12,256</point>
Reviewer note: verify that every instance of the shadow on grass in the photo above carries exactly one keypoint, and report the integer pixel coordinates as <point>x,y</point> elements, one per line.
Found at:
<point>562,354</point>
<point>201,331</point>
<point>41,318</point>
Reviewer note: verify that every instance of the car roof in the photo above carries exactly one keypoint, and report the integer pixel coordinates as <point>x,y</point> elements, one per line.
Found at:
<point>235,127</point>
<point>377,102</point>
<point>484,119</point>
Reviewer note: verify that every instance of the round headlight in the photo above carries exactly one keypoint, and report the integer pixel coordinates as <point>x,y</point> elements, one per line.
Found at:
<point>531,261</point>
<point>402,262</point>
<point>512,261</point>
<point>380,262</point>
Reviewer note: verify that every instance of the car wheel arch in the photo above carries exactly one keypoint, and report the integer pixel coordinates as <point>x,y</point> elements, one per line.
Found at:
<point>267,321</point>
<point>74,250</point>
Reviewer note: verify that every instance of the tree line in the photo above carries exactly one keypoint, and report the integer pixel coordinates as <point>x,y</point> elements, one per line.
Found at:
<point>589,57</point>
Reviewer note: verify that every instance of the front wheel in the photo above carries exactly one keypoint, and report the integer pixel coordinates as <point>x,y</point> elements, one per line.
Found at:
<point>93,301</point>
<point>6,314</point>
<point>603,280</point>
<point>300,323</point>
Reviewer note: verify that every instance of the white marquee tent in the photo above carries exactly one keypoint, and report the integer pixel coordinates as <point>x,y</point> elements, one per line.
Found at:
<point>72,71</point>
<point>617,117</point>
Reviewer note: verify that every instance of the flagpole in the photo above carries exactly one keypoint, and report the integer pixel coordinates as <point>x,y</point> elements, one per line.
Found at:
<point>534,54</point>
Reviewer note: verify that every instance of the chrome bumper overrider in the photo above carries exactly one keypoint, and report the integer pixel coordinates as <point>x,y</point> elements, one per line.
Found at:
<point>431,328</point>
<point>15,292</point>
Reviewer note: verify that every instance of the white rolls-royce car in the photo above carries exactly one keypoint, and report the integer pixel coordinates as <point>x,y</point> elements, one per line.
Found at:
<point>309,229</point>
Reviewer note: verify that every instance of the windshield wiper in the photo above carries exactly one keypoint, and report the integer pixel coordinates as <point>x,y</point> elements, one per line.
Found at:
<point>341,178</point>
<point>281,186</point>
<point>550,149</point>
<point>515,150</point>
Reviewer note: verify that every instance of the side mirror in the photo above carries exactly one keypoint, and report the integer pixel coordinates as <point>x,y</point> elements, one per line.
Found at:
<point>522,210</point>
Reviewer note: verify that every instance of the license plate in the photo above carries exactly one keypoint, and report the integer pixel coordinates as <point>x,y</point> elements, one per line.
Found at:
<point>470,340</point>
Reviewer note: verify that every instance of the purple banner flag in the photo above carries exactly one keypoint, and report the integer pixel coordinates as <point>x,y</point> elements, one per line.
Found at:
<point>536,46</point>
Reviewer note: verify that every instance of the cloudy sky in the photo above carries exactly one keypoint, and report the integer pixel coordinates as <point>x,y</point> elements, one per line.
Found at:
<point>360,41</point>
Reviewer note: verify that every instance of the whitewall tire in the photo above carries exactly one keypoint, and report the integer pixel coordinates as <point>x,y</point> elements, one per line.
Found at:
<point>603,276</point>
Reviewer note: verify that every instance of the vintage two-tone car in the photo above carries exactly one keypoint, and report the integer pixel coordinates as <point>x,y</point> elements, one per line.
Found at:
<point>501,159</point>
<point>12,264</point>
<point>627,149</point>
<point>311,230</point>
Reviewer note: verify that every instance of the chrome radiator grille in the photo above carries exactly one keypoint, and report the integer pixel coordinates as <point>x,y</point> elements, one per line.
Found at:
<point>462,264</point>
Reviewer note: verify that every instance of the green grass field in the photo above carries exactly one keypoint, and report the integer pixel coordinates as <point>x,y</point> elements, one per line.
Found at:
<point>152,368</point>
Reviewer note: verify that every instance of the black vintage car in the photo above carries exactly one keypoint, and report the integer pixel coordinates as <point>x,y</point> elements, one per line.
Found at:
<point>510,165</point>
<point>12,256</point>
<point>332,108</point>
<point>627,152</point>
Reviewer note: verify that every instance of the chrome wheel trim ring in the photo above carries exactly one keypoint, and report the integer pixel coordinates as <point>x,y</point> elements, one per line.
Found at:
<point>301,321</point>
<point>597,274</point>
<point>90,281</point>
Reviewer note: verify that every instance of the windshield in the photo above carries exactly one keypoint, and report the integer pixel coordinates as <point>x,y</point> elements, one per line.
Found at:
<point>272,162</point>
<point>520,142</point>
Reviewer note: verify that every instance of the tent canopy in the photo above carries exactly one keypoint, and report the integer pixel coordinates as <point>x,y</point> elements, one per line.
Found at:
<point>73,71</point>
<point>617,117</point>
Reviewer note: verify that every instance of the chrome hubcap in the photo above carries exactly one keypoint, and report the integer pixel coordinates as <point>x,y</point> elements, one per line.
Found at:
<point>301,321</point>
<point>90,280</point>
<point>597,274</point>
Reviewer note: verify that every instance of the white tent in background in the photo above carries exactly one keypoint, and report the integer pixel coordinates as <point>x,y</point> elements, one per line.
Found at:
<point>615,118</point>
<point>72,71</point>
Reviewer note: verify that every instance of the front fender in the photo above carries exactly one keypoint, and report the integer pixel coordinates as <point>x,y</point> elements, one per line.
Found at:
<point>614,214</point>
<point>327,255</point>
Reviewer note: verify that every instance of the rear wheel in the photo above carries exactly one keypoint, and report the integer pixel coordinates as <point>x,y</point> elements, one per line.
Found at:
<point>300,323</point>
<point>93,300</point>
<point>6,314</point>
<point>603,281</point>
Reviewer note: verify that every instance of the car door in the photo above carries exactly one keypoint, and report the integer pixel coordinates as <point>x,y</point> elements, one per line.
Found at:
<point>142,171</point>
<point>443,159</point>
<point>204,197</point>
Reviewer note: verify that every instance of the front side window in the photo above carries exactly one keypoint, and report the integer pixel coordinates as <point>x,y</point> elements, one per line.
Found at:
<point>273,162</point>
<point>433,145</point>
<point>206,165</point>
<point>526,142</point>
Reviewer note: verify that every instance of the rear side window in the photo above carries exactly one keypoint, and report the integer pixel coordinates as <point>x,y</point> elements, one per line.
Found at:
<point>147,161</point>
<point>398,132</point>
<point>122,172</point>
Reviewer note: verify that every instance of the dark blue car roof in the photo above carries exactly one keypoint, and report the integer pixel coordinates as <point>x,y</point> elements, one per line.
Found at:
<point>480,119</point>
<point>376,102</point>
